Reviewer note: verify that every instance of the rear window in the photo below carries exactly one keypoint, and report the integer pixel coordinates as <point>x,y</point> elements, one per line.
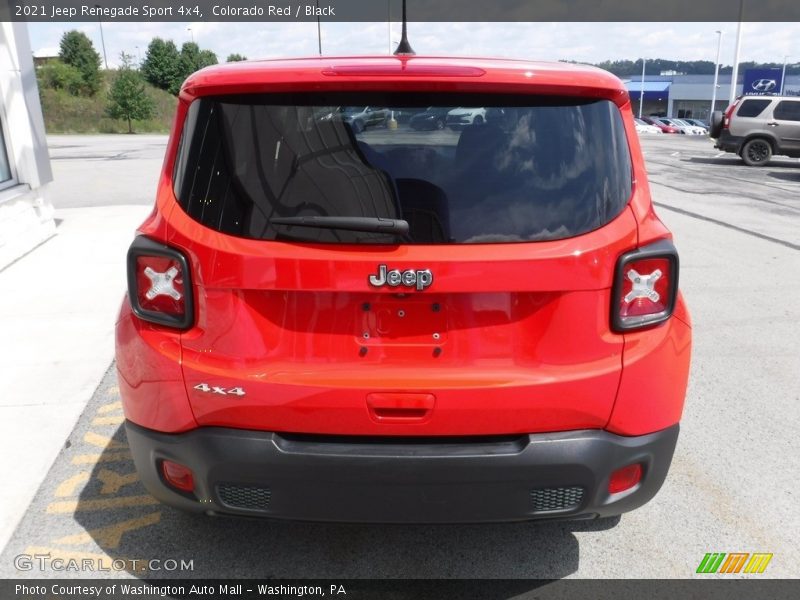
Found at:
<point>752,108</point>
<point>458,169</point>
<point>787,110</point>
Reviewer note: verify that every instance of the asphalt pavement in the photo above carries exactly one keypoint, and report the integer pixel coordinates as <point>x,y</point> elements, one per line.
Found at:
<point>732,486</point>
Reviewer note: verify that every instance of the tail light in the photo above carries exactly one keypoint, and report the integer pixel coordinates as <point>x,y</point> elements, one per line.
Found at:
<point>645,287</point>
<point>159,284</point>
<point>726,119</point>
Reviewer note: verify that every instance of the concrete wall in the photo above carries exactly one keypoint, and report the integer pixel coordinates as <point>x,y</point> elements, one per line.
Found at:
<point>26,217</point>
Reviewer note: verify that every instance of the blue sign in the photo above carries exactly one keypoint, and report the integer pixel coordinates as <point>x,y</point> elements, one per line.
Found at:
<point>762,82</point>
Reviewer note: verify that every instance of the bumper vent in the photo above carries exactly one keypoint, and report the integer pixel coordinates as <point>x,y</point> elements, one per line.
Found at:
<point>556,499</point>
<point>244,497</point>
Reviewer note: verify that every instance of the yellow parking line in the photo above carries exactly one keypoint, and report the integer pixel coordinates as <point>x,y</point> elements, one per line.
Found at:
<point>115,420</point>
<point>110,536</point>
<point>110,407</point>
<point>69,506</point>
<point>90,459</point>
<point>68,487</point>
<point>112,481</point>
<point>102,441</point>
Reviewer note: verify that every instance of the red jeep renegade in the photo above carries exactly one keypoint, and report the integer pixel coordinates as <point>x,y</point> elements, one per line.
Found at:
<point>344,318</point>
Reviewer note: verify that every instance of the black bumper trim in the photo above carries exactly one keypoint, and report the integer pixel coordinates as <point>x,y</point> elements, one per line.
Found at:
<point>316,478</point>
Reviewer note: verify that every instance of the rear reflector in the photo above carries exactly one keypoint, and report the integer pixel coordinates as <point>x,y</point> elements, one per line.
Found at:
<point>177,475</point>
<point>645,287</point>
<point>159,284</point>
<point>624,478</point>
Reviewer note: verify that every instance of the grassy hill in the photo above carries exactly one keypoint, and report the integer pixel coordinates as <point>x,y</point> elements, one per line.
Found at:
<point>64,113</point>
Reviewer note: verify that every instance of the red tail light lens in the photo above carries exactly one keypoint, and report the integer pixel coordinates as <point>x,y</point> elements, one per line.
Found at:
<point>625,478</point>
<point>726,120</point>
<point>645,287</point>
<point>159,285</point>
<point>178,475</point>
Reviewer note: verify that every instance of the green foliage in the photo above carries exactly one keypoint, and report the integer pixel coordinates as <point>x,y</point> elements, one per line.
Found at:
<point>191,59</point>
<point>76,50</point>
<point>56,75</point>
<point>64,113</point>
<point>235,58</point>
<point>127,98</point>
<point>161,66</point>
<point>630,68</point>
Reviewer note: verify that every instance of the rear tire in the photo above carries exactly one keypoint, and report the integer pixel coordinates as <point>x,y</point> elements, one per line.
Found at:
<point>715,125</point>
<point>756,152</point>
<point>478,120</point>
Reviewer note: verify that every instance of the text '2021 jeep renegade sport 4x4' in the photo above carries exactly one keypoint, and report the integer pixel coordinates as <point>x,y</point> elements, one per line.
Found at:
<point>400,325</point>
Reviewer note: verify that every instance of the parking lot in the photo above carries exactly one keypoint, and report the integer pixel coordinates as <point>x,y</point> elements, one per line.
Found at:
<point>732,486</point>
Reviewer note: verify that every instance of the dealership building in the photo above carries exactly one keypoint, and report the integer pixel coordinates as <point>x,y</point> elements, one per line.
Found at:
<point>689,95</point>
<point>26,217</point>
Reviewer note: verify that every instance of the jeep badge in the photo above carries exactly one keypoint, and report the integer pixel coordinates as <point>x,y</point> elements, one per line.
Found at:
<point>411,278</point>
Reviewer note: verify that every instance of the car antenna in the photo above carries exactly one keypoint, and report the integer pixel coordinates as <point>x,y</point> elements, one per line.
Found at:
<point>404,48</point>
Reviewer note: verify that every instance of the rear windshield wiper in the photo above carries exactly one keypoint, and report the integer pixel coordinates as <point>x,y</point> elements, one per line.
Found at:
<point>366,224</point>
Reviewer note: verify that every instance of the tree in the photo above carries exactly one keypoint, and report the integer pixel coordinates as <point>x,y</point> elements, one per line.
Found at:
<point>161,66</point>
<point>192,59</point>
<point>128,98</point>
<point>76,50</point>
<point>56,75</point>
<point>235,58</point>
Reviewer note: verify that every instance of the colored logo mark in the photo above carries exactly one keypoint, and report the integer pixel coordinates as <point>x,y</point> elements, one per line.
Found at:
<point>734,562</point>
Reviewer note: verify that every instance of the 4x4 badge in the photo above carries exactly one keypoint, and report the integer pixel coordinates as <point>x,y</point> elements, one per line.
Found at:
<point>419,279</point>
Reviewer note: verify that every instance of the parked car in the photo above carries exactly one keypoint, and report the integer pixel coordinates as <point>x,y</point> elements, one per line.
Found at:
<point>682,127</point>
<point>689,128</point>
<point>434,117</point>
<point>643,127</point>
<point>697,122</point>
<point>756,128</point>
<point>461,117</point>
<point>359,117</point>
<point>404,114</point>
<point>327,325</point>
<point>655,122</point>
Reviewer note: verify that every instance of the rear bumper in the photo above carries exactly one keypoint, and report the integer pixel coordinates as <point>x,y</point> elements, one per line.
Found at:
<point>325,478</point>
<point>728,142</point>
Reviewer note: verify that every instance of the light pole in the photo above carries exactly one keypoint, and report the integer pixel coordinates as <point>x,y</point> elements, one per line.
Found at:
<point>735,73</point>
<point>102,39</point>
<point>319,31</point>
<point>189,29</point>
<point>783,73</point>
<point>716,75</point>
<point>641,89</point>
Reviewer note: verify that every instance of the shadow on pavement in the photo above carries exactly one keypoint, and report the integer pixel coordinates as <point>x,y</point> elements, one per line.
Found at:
<point>125,523</point>
<point>731,159</point>
<point>785,176</point>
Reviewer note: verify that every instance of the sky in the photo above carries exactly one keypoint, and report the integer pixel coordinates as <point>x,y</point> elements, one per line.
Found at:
<point>582,42</point>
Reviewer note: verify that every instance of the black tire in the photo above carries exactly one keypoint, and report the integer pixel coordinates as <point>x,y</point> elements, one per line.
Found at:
<point>439,124</point>
<point>715,125</point>
<point>358,126</point>
<point>756,152</point>
<point>478,120</point>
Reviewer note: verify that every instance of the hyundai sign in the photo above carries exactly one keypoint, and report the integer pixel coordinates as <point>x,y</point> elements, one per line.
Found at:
<point>762,82</point>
